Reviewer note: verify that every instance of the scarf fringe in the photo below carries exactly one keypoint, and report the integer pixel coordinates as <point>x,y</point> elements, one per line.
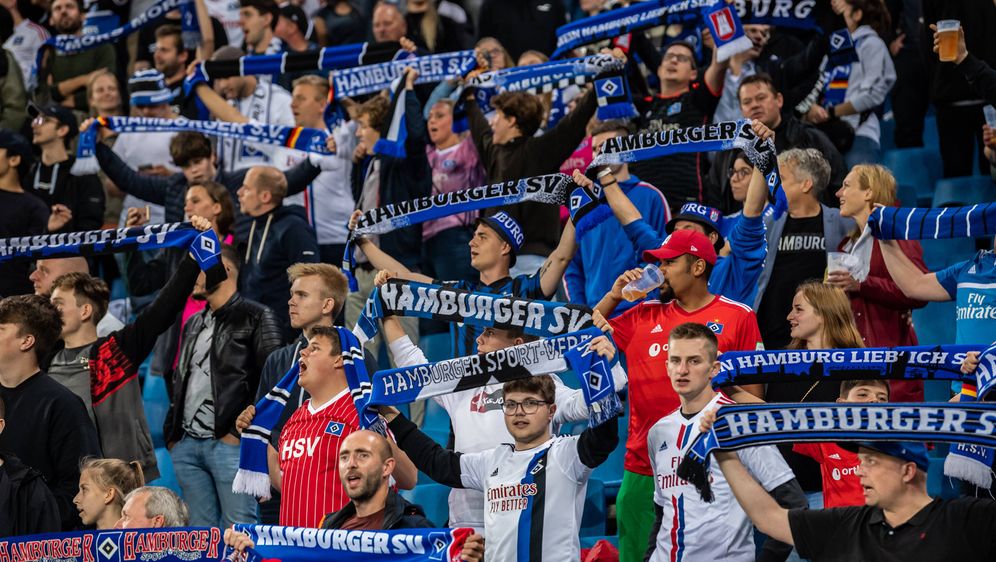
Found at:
<point>252,483</point>
<point>738,45</point>
<point>968,469</point>
<point>616,111</point>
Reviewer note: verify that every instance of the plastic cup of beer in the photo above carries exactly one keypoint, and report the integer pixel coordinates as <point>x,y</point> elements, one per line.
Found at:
<point>651,279</point>
<point>947,35</point>
<point>837,261</point>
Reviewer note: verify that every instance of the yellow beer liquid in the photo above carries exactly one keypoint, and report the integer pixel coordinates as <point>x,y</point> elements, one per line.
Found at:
<point>948,45</point>
<point>633,294</point>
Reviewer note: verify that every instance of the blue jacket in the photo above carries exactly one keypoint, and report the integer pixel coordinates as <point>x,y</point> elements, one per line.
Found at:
<point>735,276</point>
<point>605,251</point>
<point>277,240</point>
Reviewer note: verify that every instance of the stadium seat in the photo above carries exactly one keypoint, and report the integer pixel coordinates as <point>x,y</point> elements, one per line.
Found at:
<point>968,190</point>
<point>154,390</point>
<point>436,346</point>
<point>906,195</point>
<point>938,254</point>
<point>434,501</point>
<point>935,323</point>
<point>610,472</point>
<point>167,477</point>
<point>589,542</point>
<point>155,415</point>
<point>938,485</point>
<point>916,167</point>
<point>436,418</point>
<point>593,519</point>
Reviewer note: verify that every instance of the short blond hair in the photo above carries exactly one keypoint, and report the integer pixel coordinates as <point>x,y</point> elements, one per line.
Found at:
<point>334,282</point>
<point>320,84</point>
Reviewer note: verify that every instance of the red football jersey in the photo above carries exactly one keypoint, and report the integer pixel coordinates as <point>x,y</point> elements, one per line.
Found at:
<point>642,334</point>
<point>841,485</point>
<point>309,460</point>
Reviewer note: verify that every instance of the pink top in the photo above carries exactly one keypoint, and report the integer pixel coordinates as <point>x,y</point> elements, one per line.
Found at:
<point>453,169</point>
<point>191,308</point>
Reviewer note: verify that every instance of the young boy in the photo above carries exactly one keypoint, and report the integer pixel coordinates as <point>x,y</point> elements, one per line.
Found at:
<point>841,485</point>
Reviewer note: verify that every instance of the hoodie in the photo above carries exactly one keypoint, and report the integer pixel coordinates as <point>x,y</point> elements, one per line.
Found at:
<point>27,506</point>
<point>277,240</point>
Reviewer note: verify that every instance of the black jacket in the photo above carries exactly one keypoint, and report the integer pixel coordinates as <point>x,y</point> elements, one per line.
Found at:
<point>524,157</point>
<point>84,195</point>
<point>27,506</point>
<point>401,179</point>
<point>981,77</point>
<point>398,514</point>
<point>277,240</point>
<point>170,192</point>
<point>521,25</point>
<point>791,133</point>
<point>978,19</point>
<point>245,333</point>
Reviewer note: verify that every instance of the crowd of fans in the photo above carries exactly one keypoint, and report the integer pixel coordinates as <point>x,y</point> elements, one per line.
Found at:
<point>81,337</point>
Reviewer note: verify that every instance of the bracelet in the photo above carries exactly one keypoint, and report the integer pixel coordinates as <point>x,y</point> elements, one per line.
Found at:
<point>611,183</point>
<point>603,172</point>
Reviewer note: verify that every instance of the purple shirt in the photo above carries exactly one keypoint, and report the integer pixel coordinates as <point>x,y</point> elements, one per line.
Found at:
<point>453,169</point>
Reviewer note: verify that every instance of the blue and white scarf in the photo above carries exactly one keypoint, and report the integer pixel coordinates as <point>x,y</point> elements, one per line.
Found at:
<point>542,357</point>
<point>272,543</point>
<point>550,188</point>
<point>841,54</point>
<point>606,71</point>
<point>797,14</point>
<point>727,135</point>
<point>299,138</point>
<point>922,362</point>
<point>69,44</point>
<point>751,425</point>
<point>203,245</point>
<point>253,476</point>
<point>327,59</point>
<point>974,463</point>
<point>299,544</point>
<point>367,79</point>
<point>909,223</point>
<point>445,304</point>
<point>721,19</point>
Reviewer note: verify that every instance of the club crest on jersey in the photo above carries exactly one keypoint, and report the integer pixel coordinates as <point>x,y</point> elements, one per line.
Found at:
<point>674,109</point>
<point>716,327</point>
<point>334,428</point>
<point>536,469</point>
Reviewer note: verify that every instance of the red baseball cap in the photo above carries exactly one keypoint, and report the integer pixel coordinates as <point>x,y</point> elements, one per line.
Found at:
<point>681,242</point>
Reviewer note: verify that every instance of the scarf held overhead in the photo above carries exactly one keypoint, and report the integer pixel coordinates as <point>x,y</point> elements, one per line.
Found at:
<point>367,79</point>
<point>721,19</point>
<point>727,135</point>
<point>751,425</point>
<point>550,188</point>
<point>910,223</point>
<point>923,362</point>
<point>299,138</point>
<point>327,59</point>
<point>69,44</point>
<point>542,357</point>
<point>445,304</point>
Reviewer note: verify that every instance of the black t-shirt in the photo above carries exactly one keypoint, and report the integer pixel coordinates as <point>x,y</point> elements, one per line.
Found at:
<point>49,430</point>
<point>802,255</point>
<point>961,529</point>
<point>21,214</point>
<point>342,30</point>
<point>679,176</point>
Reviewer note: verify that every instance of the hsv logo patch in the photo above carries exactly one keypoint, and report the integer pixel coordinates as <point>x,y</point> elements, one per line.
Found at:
<point>334,428</point>
<point>716,327</point>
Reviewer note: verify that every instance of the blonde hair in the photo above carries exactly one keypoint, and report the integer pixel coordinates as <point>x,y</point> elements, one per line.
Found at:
<point>834,308</point>
<point>115,474</point>
<point>336,286</point>
<point>880,181</point>
<point>101,73</point>
<point>320,84</point>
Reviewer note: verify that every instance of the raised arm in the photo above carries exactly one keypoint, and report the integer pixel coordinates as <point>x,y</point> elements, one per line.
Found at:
<point>769,517</point>
<point>611,300</point>
<point>217,105</point>
<point>442,465</point>
<point>148,188</point>
<point>556,263</point>
<point>913,282</point>
<point>382,260</point>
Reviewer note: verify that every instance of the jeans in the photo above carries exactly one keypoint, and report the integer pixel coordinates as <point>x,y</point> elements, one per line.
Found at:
<point>865,150</point>
<point>205,469</point>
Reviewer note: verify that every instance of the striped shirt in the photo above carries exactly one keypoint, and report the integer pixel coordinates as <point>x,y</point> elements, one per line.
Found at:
<point>692,529</point>
<point>309,460</point>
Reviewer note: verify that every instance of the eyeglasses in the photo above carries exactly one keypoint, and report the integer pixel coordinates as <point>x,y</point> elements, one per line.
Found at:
<point>528,406</point>
<point>40,120</point>
<point>678,57</point>
<point>740,173</point>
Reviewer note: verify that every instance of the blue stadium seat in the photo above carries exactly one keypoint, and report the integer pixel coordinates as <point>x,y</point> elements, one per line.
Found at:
<point>154,390</point>
<point>155,415</point>
<point>436,346</point>
<point>935,323</point>
<point>906,195</point>
<point>593,519</point>
<point>938,254</point>
<point>916,167</point>
<point>589,542</point>
<point>938,485</point>
<point>969,190</point>
<point>433,499</point>
<point>167,477</point>
<point>436,418</point>
<point>610,472</point>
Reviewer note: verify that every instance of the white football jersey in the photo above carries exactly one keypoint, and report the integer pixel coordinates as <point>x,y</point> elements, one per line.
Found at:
<point>692,529</point>
<point>534,499</point>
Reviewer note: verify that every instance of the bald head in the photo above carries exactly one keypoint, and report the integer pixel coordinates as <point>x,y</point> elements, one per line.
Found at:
<point>365,467</point>
<point>368,441</point>
<point>47,271</point>
<point>388,23</point>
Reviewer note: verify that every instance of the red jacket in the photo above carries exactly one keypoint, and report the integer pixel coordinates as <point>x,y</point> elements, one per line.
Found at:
<point>883,313</point>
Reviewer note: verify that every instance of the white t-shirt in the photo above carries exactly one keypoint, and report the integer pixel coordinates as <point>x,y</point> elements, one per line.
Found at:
<point>329,198</point>
<point>479,425</point>
<point>24,43</point>
<point>534,496</point>
<point>692,529</point>
<point>268,104</point>
<point>139,150</point>
<point>227,12</point>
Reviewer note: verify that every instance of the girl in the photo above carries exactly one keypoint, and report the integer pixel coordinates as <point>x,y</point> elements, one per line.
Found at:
<point>104,483</point>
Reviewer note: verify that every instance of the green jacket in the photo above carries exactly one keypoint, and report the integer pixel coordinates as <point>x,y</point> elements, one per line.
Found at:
<point>13,98</point>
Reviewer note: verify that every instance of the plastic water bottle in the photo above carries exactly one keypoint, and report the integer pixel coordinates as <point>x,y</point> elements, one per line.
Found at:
<point>651,279</point>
